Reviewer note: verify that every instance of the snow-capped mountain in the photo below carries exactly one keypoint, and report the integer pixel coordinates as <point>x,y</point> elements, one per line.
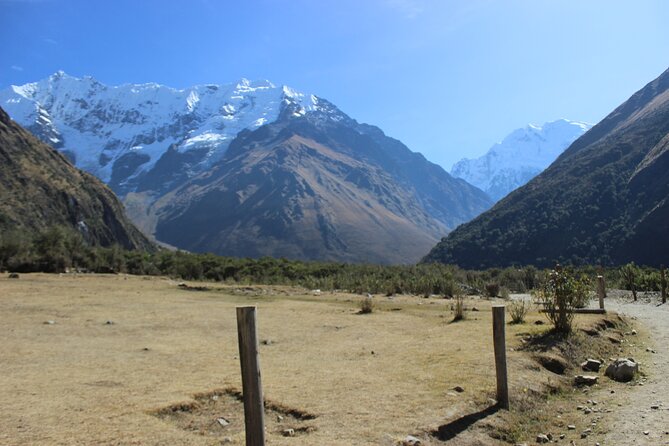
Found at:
<point>249,169</point>
<point>120,133</point>
<point>521,156</point>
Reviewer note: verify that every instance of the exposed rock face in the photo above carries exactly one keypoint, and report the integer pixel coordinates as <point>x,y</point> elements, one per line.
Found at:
<point>39,188</point>
<point>605,200</point>
<point>250,169</point>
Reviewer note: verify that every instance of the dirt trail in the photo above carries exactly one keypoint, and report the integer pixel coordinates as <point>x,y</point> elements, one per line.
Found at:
<point>635,422</point>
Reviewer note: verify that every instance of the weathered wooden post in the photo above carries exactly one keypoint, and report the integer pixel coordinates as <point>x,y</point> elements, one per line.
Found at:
<point>663,284</point>
<point>499,340</point>
<point>254,414</point>
<point>601,291</point>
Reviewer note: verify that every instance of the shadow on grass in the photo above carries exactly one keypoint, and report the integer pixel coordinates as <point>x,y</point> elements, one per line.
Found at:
<point>451,430</point>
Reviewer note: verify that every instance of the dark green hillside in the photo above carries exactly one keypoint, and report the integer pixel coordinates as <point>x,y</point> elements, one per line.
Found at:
<point>604,200</point>
<point>39,188</point>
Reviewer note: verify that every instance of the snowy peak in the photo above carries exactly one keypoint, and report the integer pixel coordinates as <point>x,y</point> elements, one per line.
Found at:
<point>119,133</point>
<point>520,156</point>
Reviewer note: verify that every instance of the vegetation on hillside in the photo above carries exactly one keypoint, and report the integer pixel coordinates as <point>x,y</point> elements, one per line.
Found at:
<point>603,201</point>
<point>58,249</point>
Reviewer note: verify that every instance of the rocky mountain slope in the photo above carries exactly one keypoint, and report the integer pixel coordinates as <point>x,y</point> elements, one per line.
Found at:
<point>521,156</point>
<point>304,180</point>
<point>39,188</point>
<point>604,200</point>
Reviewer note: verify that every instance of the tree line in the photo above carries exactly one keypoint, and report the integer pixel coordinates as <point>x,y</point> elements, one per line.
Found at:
<point>59,249</point>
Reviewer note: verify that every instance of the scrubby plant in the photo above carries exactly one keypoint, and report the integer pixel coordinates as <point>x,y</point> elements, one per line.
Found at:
<point>492,289</point>
<point>518,309</point>
<point>367,305</point>
<point>504,293</point>
<point>559,296</point>
<point>458,307</point>
<point>629,274</point>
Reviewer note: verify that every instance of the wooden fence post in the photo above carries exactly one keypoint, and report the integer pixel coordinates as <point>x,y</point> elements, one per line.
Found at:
<point>663,284</point>
<point>601,291</point>
<point>498,333</point>
<point>254,414</point>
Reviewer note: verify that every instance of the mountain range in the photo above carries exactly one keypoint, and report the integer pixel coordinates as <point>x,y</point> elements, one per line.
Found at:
<point>40,189</point>
<point>605,200</point>
<point>249,169</point>
<point>521,156</point>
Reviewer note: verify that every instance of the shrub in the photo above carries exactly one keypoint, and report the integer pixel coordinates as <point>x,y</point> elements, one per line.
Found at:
<point>518,309</point>
<point>492,289</point>
<point>559,296</point>
<point>629,274</point>
<point>366,305</point>
<point>459,307</point>
<point>504,293</point>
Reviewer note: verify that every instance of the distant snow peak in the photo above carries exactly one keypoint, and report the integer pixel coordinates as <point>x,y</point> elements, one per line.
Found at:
<point>520,156</point>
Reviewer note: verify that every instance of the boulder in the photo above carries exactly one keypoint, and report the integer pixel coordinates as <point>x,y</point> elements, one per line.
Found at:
<point>13,275</point>
<point>622,370</point>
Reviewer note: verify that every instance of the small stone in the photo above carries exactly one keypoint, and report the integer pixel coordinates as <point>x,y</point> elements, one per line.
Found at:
<point>13,275</point>
<point>571,427</point>
<point>475,309</point>
<point>266,342</point>
<point>646,432</point>
<point>587,380</point>
<point>587,410</point>
<point>655,406</point>
<point>222,421</point>
<point>633,332</point>
<point>539,322</point>
<point>279,418</point>
<point>591,365</point>
<point>542,438</point>
<point>562,436</point>
<point>288,432</point>
<point>410,440</point>
<point>109,323</point>
<point>650,350</point>
<point>459,389</point>
<point>227,440</point>
<point>49,322</point>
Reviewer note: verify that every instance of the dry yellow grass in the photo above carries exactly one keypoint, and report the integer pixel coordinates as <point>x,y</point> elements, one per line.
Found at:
<point>369,379</point>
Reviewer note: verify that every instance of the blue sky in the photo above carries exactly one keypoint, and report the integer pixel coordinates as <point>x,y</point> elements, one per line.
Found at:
<point>448,78</point>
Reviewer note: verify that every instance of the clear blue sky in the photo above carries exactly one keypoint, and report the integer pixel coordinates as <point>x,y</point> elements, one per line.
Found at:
<point>448,78</point>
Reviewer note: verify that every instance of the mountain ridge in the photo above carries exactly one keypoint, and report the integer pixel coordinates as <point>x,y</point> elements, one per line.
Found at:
<point>594,204</point>
<point>157,164</point>
<point>41,189</point>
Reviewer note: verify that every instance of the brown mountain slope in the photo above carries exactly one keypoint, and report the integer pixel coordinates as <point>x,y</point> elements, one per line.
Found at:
<point>294,197</point>
<point>39,188</point>
<point>604,200</point>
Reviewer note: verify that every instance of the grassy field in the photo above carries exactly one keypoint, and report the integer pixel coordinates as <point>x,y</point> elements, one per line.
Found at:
<point>140,360</point>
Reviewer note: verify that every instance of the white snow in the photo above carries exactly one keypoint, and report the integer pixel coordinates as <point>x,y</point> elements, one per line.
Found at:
<point>523,154</point>
<point>101,123</point>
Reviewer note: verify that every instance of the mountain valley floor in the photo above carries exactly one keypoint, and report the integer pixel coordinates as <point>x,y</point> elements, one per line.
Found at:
<point>123,360</point>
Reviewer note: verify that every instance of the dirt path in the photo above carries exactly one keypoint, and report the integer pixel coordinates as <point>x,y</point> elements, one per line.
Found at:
<point>635,421</point>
